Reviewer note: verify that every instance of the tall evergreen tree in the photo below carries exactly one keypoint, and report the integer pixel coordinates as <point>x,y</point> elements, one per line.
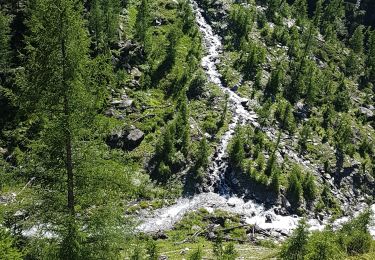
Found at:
<point>342,98</point>
<point>275,82</point>
<point>295,247</point>
<point>202,160</point>
<point>357,40</point>
<point>332,19</point>
<point>7,246</point>
<point>318,12</point>
<point>370,62</point>
<point>142,21</point>
<point>4,41</point>
<point>300,8</point>
<point>104,22</point>
<point>182,125</point>
<point>64,97</point>
<point>237,153</point>
<point>6,96</point>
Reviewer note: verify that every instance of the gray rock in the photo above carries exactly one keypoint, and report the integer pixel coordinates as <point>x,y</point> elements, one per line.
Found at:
<point>286,204</point>
<point>3,151</point>
<point>110,112</point>
<point>196,227</point>
<point>211,235</point>
<point>134,138</point>
<point>366,111</point>
<point>184,251</point>
<point>269,218</point>
<point>245,103</point>
<point>126,139</point>
<point>160,235</point>
<point>136,73</point>
<point>122,104</point>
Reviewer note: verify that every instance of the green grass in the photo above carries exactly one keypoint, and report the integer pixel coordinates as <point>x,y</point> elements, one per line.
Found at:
<point>245,251</point>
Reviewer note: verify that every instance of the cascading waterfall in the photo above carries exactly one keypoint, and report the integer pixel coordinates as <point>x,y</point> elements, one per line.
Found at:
<point>252,212</point>
<point>240,115</point>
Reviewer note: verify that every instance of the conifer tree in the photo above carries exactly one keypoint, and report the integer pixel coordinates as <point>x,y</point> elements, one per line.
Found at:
<point>300,8</point>
<point>357,40</point>
<point>187,16</point>
<point>4,41</point>
<point>295,247</point>
<point>196,254</point>
<point>343,135</point>
<point>342,101</point>
<point>275,82</point>
<point>152,250</point>
<point>371,58</point>
<point>62,95</point>
<point>318,12</point>
<point>333,14</point>
<point>309,188</point>
<point>58,48</point>
<point>240,22</point>
<point>273,7</point>
<point>182,125</point>
<point>295,189</point>
<point>104,22</point>
<point>6,95</point>
<point>7,247</point>
<point>230,252</point>
<point>275,182</point>
<point>237,153</point>
<point>202,160</point>
<point>143,21</point>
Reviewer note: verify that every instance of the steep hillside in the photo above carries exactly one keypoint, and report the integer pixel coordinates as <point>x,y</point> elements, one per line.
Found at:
<point>182,129</point>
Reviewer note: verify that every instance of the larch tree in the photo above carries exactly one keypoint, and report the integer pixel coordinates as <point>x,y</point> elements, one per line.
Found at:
<point>182,125</point>
<point>103,23</point>
<point>4,40</point>
<point>62,97</point>
<point>142,21</point>
<point>5,102</point>
<point>356,41</point>
<point>300,9</point>
<point>370,62</point>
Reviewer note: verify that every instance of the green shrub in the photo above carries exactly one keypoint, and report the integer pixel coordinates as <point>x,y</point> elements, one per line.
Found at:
<point>230,252</point>
<point>7,247</point>
<point>236,151</point>
<point>295,190</point>
<point>354,236</point>
<point>357,242</point>
<point>323,246</point>
<point>152,250</point>
<point>197,254</point>
<point>296,246</point>
<point>309,188</point>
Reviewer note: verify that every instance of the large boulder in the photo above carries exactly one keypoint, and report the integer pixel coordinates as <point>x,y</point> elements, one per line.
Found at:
<point>126,139</point>
<point>134,138</point>
<point>367,112</point>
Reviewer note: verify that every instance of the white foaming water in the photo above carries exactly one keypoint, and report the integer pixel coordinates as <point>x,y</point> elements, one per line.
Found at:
<point>240,115</point>
<point>252,212</point>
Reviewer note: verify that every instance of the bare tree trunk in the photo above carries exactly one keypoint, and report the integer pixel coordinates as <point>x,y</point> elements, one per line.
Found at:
<point>70,173</point>
<point>68,135</point>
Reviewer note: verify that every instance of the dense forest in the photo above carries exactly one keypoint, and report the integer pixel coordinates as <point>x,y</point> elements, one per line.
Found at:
<point>181,129</point>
